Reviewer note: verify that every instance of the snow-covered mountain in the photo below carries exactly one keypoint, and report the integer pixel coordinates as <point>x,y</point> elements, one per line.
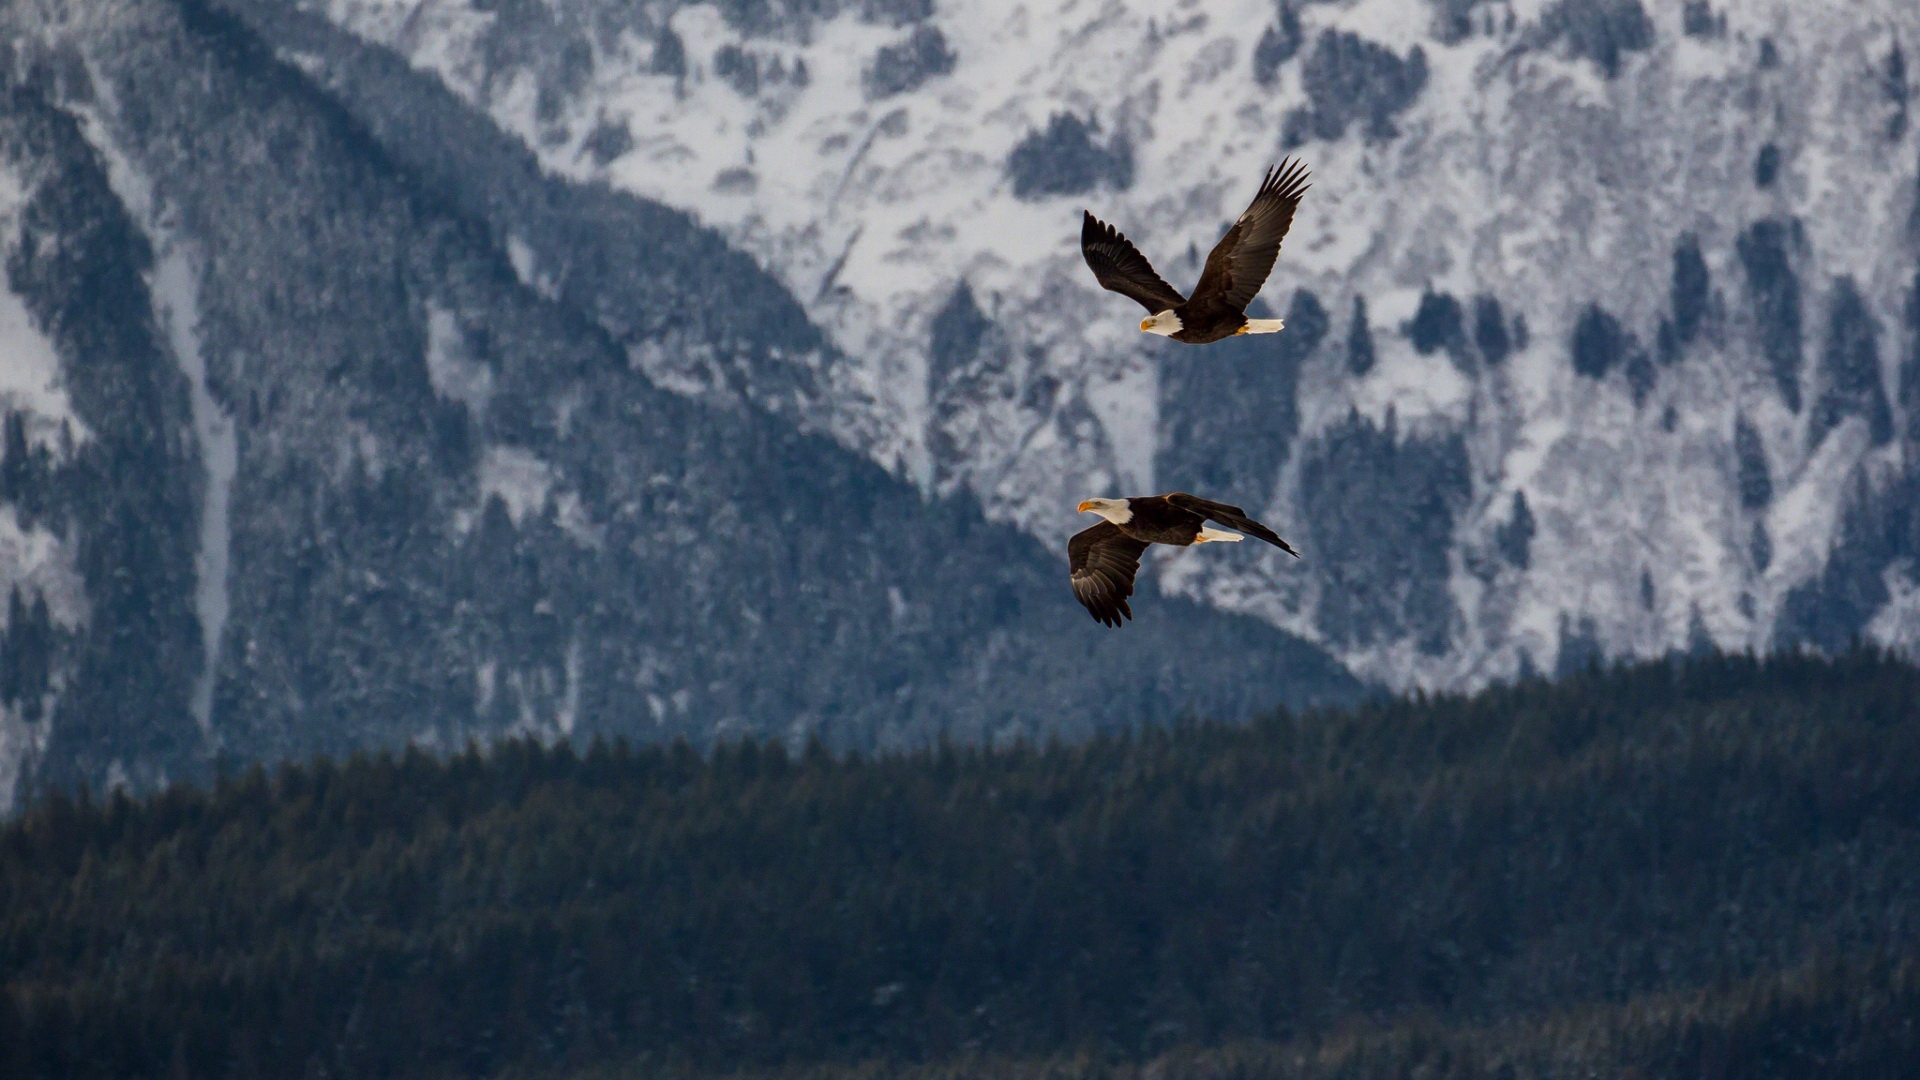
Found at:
<point>1601,329</point>
<point>426,369</point>
<point>329,421</point>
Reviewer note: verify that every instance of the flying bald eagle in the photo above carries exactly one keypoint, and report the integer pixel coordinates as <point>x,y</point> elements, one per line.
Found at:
<point>1104,559</point>
<point>1235,270</point>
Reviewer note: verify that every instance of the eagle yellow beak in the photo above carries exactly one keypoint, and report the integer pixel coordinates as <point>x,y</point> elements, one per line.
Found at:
<point>1086,506</point>
<point>1144,323</point>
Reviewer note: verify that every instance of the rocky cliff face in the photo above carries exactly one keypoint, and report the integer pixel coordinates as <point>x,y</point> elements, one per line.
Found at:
<point>332,420</point>
<point>1601,314</point>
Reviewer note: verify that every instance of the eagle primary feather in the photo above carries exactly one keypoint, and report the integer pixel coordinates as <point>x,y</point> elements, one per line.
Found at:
<point>1239,264</point>
<point>1103,561</point>
<point>1232,517</point>
<point>1119,267</point>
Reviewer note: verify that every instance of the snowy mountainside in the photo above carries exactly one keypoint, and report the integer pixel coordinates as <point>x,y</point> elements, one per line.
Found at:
<point>1601,338</point>
<point>330,422</point>
<point>36,563</point>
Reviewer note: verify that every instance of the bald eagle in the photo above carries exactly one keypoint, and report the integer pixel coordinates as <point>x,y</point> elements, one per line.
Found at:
<point>1104,559</point>
<point>1235,270</point>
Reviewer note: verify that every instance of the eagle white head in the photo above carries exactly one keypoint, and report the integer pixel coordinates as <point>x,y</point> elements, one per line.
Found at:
<point>1166,324</point>
<point>1114,510</point>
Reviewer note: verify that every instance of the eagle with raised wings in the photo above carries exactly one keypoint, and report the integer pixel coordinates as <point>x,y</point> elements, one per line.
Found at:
<point>1235,270</point>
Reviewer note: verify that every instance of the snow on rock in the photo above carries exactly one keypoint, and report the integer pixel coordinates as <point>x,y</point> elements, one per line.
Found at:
<point>455,373</point>
<point>1523,166</point>
<point>39,564</point>
<point>36,564</point>
<point>520,480</point>
<point>29,366</point>
<point>176,297</point>
<point>1897,625</point>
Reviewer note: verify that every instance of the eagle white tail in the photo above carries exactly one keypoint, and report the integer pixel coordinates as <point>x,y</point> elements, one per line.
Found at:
<point>1263,326</point>
<point>1208,532</point>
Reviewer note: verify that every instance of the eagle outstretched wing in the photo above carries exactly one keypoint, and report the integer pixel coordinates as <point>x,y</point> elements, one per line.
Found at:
<point>1239,264</point>
<point>1103,561</point>
<point>1231,516</point>
<point>1120,267</point>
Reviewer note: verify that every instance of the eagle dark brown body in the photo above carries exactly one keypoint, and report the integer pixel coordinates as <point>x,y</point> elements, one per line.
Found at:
<point>1203,324</point>
<point>1104,559</point>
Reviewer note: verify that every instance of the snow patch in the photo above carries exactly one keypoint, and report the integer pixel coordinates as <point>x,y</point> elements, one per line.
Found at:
<point>21,741</point>
<point>30,382</point>
<point>569,712</point>
<point>1124,406</point>
<point>571,514</point>
<point>1804,520</point>
<point>521,480</point>
<point>455,374</point>
<point>176,296</point>
<point>486,675</point>
<point>527,270</point>
<point>39,565</point>
<point>1415,388</point>
<point>1897,624</point>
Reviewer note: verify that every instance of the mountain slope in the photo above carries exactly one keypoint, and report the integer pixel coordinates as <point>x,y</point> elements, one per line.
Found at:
<point>1604,305</point>
<point>329,459</point>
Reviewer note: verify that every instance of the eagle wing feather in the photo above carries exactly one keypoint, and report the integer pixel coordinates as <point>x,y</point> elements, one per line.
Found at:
<point>1231,516</point>
<point>1119,267</point>
<point>1103,561</point>
<point>1239,264</point>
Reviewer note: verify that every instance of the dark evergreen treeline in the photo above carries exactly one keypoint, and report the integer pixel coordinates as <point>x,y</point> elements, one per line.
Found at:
<point>1837,1019</point>
<point>1624,865</point>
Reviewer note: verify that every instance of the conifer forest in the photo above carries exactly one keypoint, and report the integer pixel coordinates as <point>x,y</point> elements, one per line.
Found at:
<point>1692,867</point>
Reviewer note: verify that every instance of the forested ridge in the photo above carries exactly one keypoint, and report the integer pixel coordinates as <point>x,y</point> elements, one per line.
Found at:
<point>1700,867</point>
